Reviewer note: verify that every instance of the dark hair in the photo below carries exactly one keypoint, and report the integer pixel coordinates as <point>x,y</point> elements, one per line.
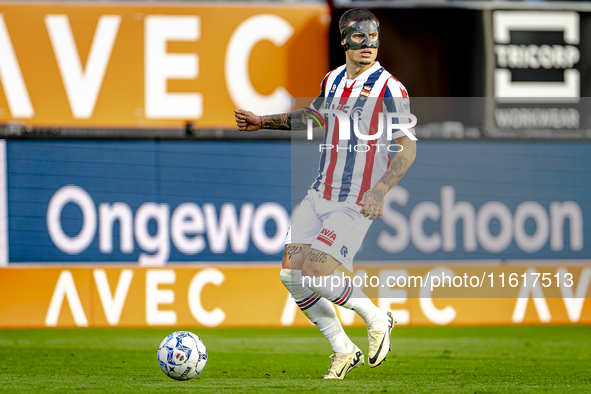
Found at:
<point>356,15</point>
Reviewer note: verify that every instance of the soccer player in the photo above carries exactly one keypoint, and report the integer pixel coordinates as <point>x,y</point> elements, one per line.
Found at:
<point>348,193</point>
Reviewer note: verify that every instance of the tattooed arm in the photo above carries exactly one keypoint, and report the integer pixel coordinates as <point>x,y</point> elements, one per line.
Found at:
<point>372,201</point>
<point>295,120</point>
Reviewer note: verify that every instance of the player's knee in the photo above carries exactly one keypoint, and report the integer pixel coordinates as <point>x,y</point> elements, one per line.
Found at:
<point>311,269</point>
<point>292,280</point>
<point>286,276</point>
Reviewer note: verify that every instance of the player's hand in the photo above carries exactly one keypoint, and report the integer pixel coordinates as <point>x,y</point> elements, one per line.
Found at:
<point>372,203</point>
<point>247,121</point>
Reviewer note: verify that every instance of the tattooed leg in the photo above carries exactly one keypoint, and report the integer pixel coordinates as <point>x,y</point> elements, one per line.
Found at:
<point>294,256</point>
<point>319,263</point>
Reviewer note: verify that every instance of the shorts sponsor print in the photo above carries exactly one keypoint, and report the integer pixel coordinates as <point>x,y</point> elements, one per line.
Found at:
<point>336,228</point>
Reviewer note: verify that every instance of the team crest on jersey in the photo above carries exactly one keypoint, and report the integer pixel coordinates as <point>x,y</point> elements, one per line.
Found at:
<point>334,88</point>
<point>365,92</point>
<point>327,236</point>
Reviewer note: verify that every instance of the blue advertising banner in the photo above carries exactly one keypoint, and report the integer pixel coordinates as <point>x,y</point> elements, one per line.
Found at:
<point>155,202</point>
<point>489,200</point>
<point>146,201</point>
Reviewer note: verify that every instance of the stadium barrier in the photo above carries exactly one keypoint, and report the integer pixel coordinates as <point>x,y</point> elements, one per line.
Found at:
<point>253,296</point>
<point>135,233</point>
<point>154,202</point>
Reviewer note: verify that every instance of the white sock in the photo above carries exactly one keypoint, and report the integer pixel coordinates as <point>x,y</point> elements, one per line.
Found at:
<point>319,310</point>
<point>341,292</point>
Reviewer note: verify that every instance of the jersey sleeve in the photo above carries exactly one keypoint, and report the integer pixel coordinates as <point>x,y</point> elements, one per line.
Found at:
<point>396,100</point>
<point>318,101</point>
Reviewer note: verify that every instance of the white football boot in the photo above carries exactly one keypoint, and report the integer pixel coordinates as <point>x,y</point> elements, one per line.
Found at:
<point>379,341</point>
<point>343,363</point>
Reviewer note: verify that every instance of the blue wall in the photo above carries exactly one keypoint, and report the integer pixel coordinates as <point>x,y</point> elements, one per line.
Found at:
<point>136,172</point>
<point>259,174</point>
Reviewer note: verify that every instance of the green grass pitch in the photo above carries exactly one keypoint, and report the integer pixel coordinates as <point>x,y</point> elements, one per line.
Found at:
<point>437,359</point>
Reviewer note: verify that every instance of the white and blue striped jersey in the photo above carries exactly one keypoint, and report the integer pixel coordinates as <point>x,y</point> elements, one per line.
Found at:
<point>351,167</point>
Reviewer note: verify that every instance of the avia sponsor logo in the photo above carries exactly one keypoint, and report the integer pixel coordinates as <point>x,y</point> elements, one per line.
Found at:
<point>551,226</point>
<point>327,236</point>
<point>536,57</point>
<point>190,227</point>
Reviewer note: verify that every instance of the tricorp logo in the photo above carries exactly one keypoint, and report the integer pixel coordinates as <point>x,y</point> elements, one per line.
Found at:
<point>536,57</point>
<point>514,53</point>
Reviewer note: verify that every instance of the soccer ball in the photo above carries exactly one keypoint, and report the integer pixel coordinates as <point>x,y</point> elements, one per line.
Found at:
<point>182,355</point>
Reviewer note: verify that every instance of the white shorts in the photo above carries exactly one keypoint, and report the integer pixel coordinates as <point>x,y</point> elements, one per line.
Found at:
<point>336,228</point>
